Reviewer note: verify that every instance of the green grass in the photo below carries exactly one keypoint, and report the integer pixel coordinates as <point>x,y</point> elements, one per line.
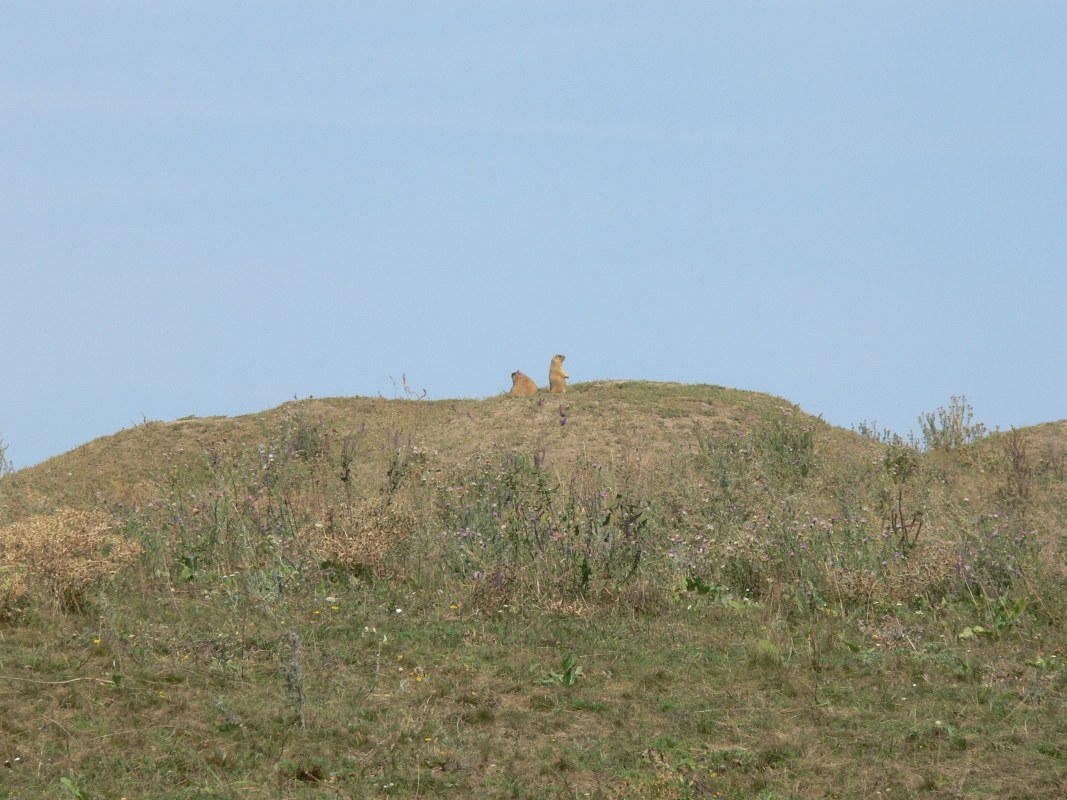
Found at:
<point>678,593</point>
<point>186,697</point>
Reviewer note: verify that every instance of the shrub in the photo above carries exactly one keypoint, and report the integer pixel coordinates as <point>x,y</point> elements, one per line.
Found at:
<point>788,448</point>
<point>951,428</point>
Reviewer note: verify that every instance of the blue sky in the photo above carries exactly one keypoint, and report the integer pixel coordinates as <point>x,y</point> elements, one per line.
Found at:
<point>212,208</point>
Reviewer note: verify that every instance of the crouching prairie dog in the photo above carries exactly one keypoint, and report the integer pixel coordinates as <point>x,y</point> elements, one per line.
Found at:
<point>522,385</point>
<point>557,378</point>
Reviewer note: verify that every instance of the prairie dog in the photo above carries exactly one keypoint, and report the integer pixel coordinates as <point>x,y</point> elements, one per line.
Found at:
<point>522,385</point>
<point>557,378</point>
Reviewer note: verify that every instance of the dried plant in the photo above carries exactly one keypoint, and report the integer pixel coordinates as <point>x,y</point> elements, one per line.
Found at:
<point>1018,488</point>
<point>67,553</point>
<point>359,538</point>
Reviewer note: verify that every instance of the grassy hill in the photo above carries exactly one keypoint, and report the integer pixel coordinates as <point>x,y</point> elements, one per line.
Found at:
<point>633,590</point>
<point>605,419</point>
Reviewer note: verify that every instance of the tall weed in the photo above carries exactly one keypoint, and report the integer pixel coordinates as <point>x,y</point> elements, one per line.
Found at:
<point>577,536</point>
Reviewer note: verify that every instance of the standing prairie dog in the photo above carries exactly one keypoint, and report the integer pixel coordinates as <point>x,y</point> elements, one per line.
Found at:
<point>522,385</point>
<point>557,378</point>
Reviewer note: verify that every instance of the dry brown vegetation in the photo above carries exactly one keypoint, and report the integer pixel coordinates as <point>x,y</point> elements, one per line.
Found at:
<point>361,538</point>
<point>68,553</point>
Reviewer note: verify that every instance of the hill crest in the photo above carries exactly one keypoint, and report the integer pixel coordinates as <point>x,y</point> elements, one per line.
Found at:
<point>599,421</point>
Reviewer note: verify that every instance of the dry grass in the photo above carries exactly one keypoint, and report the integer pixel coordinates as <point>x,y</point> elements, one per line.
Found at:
<point>929,573</point>
<point>65,554</point>
<point>360,538</point>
